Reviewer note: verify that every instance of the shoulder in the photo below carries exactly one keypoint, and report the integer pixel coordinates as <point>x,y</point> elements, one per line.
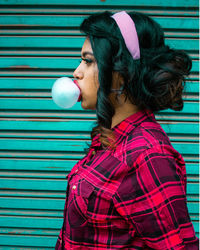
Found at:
<point>153,166</point>
<point>144,139</point>
<point>149,133</point>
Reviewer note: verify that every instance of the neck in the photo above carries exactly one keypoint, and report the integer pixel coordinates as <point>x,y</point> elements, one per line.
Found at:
<point>122,112</point>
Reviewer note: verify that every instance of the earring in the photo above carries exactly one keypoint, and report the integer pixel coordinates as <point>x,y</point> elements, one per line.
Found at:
<point>118,91</point>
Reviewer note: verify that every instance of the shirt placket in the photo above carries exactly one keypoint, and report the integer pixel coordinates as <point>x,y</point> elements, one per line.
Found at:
<point>69,177</point>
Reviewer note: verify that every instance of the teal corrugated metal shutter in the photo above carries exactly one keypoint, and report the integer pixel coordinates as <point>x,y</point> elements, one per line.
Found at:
<point>40,143</point>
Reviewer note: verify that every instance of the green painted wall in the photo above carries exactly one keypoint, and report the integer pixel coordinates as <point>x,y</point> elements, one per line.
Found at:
<point>40,143</point>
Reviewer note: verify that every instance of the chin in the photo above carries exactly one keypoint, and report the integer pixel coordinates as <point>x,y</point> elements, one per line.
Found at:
<point>87,106</point>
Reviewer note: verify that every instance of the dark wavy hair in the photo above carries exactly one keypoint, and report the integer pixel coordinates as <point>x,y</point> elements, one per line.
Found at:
<point>154,82</point>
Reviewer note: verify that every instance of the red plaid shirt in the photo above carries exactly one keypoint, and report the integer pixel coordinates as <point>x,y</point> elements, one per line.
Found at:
<point>133,197</point>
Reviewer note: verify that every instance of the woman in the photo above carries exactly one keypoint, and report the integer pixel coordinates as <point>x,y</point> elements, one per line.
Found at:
<point>129,191</point>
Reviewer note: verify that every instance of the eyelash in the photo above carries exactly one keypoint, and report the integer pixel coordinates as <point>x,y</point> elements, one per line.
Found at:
<point>87,61</point>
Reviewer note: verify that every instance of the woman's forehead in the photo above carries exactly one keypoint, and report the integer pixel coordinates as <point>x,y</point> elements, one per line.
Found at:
<point>87,46</point>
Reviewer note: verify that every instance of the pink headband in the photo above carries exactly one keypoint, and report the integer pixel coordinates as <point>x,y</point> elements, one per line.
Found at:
<point>129,33</point>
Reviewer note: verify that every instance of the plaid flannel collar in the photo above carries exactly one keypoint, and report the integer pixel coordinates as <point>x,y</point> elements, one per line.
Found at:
<point>122,129</point>
<point>131,122</point>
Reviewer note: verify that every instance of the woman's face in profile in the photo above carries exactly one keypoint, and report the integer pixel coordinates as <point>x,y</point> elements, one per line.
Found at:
<point>87,76</point>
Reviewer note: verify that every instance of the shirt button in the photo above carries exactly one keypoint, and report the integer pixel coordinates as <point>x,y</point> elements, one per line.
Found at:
<point>93,152</point>
<point>74,187</point>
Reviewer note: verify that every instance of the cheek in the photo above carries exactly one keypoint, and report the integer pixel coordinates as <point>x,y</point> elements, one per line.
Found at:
<point>92,94</point>
<point>90,83</point>
<point>95,90</point>
<point>93,85</point>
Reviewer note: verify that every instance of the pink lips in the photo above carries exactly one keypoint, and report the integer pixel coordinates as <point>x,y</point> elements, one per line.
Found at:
<point>79,98</point>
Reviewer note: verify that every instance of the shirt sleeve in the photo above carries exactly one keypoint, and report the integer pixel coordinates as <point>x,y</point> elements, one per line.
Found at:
<point>152,198</point>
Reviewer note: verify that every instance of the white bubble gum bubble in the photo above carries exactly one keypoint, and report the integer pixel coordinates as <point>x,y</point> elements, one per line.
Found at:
<point>65,93</point>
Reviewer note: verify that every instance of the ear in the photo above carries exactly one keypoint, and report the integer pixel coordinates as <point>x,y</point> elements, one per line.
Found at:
<point>117,80</point>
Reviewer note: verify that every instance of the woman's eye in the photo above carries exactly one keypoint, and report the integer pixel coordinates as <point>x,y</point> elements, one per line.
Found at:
<point>87,61</point>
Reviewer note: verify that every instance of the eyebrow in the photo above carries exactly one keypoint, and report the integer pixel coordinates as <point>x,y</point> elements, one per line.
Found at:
<point>87,53</point>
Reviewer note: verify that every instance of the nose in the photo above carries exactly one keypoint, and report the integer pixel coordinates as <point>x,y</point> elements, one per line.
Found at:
<point>78,74</point>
